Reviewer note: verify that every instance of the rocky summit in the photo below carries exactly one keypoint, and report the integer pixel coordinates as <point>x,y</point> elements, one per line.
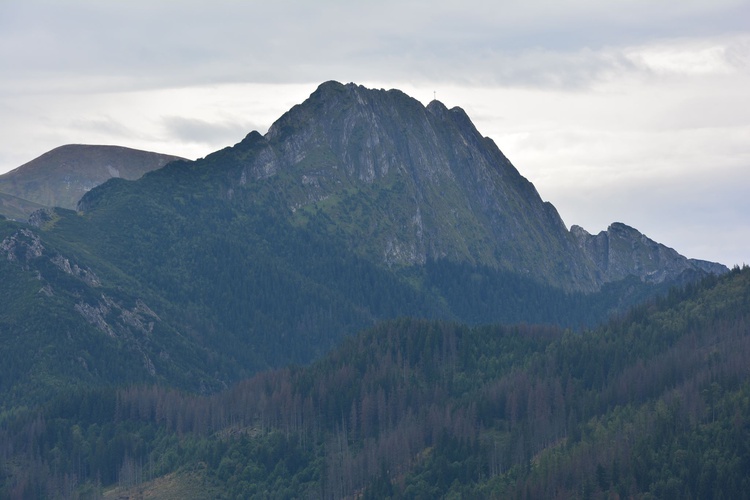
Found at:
<point>424,181</point>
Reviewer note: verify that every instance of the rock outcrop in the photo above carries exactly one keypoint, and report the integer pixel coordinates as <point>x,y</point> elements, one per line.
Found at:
<point>623,251</point>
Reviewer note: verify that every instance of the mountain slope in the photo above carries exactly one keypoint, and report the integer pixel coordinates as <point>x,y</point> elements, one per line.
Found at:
<point>653,404</point>
<point>16,208</point>
<point>62,328</point>
<point>61,176</point>
<point>358,205</point>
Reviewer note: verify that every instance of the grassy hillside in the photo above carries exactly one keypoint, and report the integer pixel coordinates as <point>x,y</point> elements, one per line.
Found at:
<point>16,208</point>
<point>61,176</point>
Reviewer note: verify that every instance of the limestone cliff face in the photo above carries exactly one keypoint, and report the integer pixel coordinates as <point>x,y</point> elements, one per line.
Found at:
<point>622,251</point>
<point>408,183</point>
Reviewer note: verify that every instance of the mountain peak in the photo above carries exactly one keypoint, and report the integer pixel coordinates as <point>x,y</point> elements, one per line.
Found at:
<point>404,184</point>
<point>423,179</point>
<point>437,107</point>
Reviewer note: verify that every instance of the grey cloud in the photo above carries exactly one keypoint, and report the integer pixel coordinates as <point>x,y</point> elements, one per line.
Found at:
<point>199,131</point>
<point>106,126</point>
<point>169,43</point>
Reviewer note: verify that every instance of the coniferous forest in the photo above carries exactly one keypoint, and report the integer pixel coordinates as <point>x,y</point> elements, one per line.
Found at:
<point>653,404</point>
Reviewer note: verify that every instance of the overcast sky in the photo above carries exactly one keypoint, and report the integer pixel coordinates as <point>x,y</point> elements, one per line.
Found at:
<point>635,111</point>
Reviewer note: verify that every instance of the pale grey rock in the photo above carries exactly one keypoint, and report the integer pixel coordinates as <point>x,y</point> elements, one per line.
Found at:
<point>95,315</point>
<point>622,251</point>
<point>84,274</point>
<point>24,245</point>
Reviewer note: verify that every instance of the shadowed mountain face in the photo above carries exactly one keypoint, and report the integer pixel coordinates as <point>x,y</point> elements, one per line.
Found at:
<point>356,206</point>
<point>60,177</point>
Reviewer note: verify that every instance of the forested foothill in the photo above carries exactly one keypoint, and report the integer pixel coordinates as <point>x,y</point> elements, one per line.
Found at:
<point>653,404</point>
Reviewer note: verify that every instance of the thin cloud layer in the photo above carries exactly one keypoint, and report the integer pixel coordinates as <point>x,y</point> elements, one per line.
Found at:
<point>192,130</point>
<point>176,43</point>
